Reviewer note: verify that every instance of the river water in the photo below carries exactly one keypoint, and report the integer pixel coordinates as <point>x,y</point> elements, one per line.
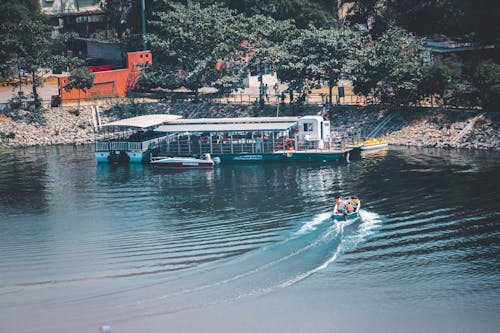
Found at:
<point>249,248</point>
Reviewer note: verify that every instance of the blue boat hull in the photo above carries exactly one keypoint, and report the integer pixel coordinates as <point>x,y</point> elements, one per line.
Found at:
<point>282,157</point>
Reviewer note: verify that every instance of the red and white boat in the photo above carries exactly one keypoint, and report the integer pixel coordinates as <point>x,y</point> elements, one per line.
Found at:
<point>183,162</point>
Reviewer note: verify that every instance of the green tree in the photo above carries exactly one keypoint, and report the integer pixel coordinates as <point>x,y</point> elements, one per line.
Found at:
<point>27,44</point>
<point>125,18</point>
<point>13,13</point>
<point>391,69</point>
<point>487,80</point>
<point>335,53</point>
<point>118,13</point>
<point>187,41</point>
<point>80,78</point>
<point>318,54</point>
<point>440,76</point>
<point>19,10</point>
<point>267,36</point>
<point>371,15</point>
<point>296,65</point>
<point>457,18</point>
<point>320,13</point>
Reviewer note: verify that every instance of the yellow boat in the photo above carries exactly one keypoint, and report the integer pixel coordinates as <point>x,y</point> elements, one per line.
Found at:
<point>373,143</point>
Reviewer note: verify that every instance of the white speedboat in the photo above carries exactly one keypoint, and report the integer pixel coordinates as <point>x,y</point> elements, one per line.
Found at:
<point>341,211</point>
<point>183,162</point>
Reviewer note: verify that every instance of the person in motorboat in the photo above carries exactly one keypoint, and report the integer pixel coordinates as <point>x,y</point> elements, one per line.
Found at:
<point>349,208</point>
<point>340,204</point>
<point>354,201</point>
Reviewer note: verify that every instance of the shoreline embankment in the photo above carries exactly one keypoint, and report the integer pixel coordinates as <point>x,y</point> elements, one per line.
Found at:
<point>421,127</point>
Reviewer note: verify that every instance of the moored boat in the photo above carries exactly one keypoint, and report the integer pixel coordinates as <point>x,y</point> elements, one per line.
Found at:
<point>341,210</point>
<point>183,162</point>
<point>373,143</point>
<point>255,139</point>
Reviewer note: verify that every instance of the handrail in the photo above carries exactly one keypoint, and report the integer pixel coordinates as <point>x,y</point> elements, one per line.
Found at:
<point>130,145</point>
<point>242,146</point>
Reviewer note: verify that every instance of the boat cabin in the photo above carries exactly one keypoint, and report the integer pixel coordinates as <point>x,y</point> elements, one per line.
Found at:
<point>313,132</point>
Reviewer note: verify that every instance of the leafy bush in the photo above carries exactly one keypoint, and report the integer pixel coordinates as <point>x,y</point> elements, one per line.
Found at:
<point>487,80</point>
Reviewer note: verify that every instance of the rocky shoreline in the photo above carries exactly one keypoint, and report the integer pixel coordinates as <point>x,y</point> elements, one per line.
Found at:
<point>412,127</point>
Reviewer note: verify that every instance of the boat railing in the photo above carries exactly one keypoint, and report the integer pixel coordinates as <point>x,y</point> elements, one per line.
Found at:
<point>119,145</point>
<point>189,147</point>
<point>153,143</point>
<point>142,146</point>
<point>135,146</point>
<point>102,146</point>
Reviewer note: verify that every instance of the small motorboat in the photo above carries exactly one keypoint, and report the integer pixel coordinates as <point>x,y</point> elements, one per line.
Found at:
<point>373,143</point>
<point>183,162</point>
<point>341,212</point>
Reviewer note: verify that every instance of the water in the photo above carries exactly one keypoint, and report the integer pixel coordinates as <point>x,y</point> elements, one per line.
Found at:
<point>249,248</point>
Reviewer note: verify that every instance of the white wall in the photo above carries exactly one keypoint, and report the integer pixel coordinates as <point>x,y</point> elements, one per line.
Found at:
<point>253,81</point>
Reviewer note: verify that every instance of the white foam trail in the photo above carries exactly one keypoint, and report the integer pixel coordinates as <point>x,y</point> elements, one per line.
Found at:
<point>312,271</point>
<point>311,225</point>
<point>370,222</point>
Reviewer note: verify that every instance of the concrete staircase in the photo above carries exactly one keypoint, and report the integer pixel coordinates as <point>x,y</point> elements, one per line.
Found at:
<point>96,117</point>
<point>466,130</point>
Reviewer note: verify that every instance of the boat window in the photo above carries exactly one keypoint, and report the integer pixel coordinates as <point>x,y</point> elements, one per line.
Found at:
<point>308,127</point>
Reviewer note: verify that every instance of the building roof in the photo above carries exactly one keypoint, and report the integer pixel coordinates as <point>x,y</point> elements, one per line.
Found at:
<point>143,121</point>
<point>444,44</point>
<point>260,124</point>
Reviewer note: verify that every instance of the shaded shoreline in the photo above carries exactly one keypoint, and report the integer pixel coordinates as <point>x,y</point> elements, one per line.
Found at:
<point>469,129</point>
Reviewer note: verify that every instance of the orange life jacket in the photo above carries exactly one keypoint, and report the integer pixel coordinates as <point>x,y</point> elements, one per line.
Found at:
<point>350,208</point>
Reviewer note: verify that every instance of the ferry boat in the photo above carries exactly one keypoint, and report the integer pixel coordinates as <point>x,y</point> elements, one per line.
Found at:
<point>372,144</point>
<point>340,212</point>
<point>250,139</point>
<point>254,139</point>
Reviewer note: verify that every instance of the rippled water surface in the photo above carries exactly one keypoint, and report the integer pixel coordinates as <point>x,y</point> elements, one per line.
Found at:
<point>249,248</point>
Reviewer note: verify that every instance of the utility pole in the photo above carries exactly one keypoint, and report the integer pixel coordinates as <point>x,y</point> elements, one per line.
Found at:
<point>143,11</point>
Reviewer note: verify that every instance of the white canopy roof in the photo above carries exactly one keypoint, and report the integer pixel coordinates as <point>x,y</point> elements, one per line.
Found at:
<point>144,121</point>
<point>235,120</point>
<point>227,127</point>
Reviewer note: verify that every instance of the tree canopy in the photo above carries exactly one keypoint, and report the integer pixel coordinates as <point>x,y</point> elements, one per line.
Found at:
<point>188,41</point>
<point>390,69</point>
<point>81,78</point>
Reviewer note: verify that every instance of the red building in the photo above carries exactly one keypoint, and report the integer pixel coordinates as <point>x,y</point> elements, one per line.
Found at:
<point>112,82</point>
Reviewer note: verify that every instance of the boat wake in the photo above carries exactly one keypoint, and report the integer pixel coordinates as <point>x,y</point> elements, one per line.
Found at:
<point>309,226</point>
<point>347,242</point>
<point>312,246</point>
